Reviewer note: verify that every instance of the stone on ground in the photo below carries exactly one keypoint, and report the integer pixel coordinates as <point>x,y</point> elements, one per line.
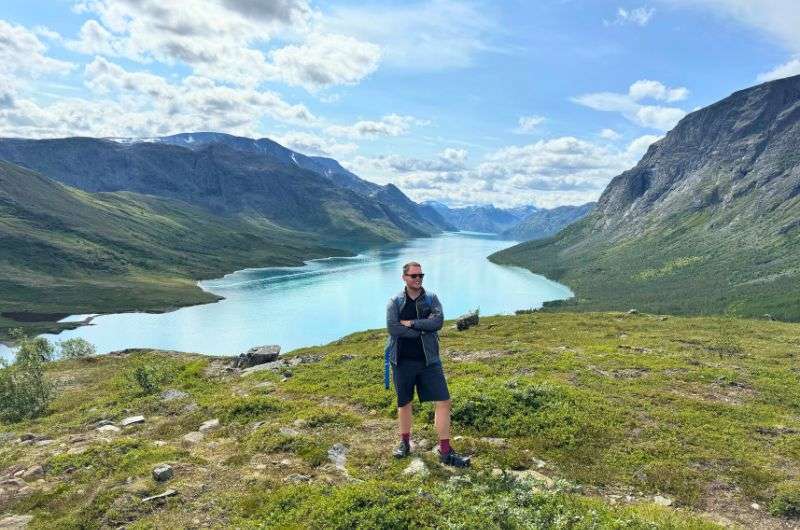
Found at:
<point>193,437</point>
<point>162,473</point>
<point>416,468</point>
<point>209,425</point>
<point>15,522</point>
<point>132,420</point>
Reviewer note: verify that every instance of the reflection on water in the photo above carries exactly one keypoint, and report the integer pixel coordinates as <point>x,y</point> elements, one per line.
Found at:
<point>327,298</point>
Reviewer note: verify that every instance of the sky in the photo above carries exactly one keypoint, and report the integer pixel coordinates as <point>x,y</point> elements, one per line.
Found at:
<point>498,102</point>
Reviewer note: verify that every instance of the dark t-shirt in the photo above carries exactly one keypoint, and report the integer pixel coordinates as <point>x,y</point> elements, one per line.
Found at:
<point>410,349</point>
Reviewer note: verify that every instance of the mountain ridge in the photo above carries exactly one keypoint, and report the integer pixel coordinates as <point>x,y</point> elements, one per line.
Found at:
<point>706,222</point>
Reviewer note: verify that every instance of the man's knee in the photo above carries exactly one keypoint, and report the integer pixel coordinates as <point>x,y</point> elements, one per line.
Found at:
<point>443,404</point>
<point>406,407</point>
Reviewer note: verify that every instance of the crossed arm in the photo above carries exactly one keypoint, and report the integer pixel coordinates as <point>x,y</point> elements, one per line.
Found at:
<point>411,329</point>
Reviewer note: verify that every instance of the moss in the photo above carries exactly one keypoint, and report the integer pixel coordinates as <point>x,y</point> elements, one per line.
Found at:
<point>787,500</point>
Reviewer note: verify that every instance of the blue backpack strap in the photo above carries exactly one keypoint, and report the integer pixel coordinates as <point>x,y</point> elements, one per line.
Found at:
<point>386,361</point>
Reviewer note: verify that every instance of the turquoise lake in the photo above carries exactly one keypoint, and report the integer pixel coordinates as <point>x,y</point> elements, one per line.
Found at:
<point>326,299</point>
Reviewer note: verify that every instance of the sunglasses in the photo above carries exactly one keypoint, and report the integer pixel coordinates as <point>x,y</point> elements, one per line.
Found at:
<point>415,276</point>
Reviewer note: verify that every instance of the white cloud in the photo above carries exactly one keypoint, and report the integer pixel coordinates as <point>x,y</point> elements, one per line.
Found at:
<point>224,40</point>
<point>144,104</point>
<point>325,60</point>
<point>389,125</point>
<point>564,170</point>
<point>422,36</point>
<point>528,124</point>
<point>639,16</point>
<point>23,54</point>
<point>646,88</point>
<point>787,69</point>
<point>313,145</point>
<point>777,18</point>
<point>629,105</point>
<point>609,134</point>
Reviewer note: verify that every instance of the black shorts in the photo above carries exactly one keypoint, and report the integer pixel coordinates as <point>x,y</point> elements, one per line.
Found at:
<point>429,381</point>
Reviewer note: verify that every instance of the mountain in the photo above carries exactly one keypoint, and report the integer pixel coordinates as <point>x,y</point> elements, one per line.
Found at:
<point>229,176</point>
<point>63,250</point>
<point>388,195</point>
<point>544,223</point>
<point>487,219</point>
<point>708,221</point>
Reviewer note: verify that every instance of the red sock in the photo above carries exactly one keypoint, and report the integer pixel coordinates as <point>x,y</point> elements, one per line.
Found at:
<point>444,446</point>
<point>406,437</point>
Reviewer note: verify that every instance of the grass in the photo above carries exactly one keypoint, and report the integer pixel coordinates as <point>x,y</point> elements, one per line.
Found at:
<point>701,410</point>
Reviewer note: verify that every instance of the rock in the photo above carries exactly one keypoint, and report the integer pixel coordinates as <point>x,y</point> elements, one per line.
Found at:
<point>416,468</point>
<point>300,423</point>
<point>132,420</point>
<point>267,385</point>
<point>15,522</point>
<point>467,321</point>
<point>663,317</point>
<point>13,482</point>
<point>33,472</point>
<point>43,442</point>
<point>102,423</point>
<point>27,436</point>
<point>168,493</point>
<point>337,454</point>
<point>297,477</point>
<point>662,501</point>
<point>109,429</point>
<point>162,473</point>
<point>424,444</point>
<point>193,437</point>
<point>755,506</point>
<point>499,442</point>
<point>209,425</point>
<point>633,312</point>
<point>767,316</point>
<point>288,431</point>
<point>258,355</point>
<point>172,394</point>
<point>527,474</point>
<point>346,357</point>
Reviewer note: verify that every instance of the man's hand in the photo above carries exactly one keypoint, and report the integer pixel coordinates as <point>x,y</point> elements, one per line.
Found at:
<point>406,323</point>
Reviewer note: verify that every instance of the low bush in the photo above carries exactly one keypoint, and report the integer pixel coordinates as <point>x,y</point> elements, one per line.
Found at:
<point>787,500</point>
<point>25,391</point>
<point>77,348</point>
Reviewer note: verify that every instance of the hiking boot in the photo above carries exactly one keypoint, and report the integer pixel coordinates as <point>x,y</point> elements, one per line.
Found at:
<point>454,459</point>
<point>402,450</point>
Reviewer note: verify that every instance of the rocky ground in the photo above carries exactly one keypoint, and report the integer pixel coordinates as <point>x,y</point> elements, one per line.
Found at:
<point>603,420</point>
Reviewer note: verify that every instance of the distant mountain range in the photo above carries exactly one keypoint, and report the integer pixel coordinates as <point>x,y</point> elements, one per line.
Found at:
<point>228,175</point>
<point>708,221</point>
<point>521,222</point>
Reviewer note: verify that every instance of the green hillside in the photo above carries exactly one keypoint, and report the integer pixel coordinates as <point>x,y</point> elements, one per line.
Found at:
<point>574,421</point>
<point>67,251</point>
<point>707,222</point>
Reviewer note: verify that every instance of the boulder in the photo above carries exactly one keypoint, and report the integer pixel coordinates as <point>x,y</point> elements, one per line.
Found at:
<point>162,473</point>
<point>467,321</point>
<point>662,501</point>
<point>193,437</point>
<point>33,472</point>
<point>132,420</point>
<point>297,477</point>
<point>109,429</point>
<point>258,355</point>
<point>209,425</point>
<point>337,454</point>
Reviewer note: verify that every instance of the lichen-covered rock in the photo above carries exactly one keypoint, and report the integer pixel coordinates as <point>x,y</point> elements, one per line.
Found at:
<point>258,355</point>
<point>467,321</point>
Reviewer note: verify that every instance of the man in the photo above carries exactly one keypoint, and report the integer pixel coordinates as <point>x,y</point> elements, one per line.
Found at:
<point>413,319</point>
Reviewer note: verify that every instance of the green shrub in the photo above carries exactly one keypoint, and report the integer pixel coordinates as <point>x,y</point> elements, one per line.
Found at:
<point>147,378</point>
<point>787,500</point>
<point>244,410</point>
<point>25,392</point>
<point>77,348</point>
<point>37,348</point>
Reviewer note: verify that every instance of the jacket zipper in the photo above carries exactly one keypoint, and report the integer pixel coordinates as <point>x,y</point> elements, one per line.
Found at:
<point>424,351</point>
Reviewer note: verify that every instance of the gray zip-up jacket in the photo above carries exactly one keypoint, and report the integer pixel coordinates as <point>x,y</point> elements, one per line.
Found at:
<point>428,322</point>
